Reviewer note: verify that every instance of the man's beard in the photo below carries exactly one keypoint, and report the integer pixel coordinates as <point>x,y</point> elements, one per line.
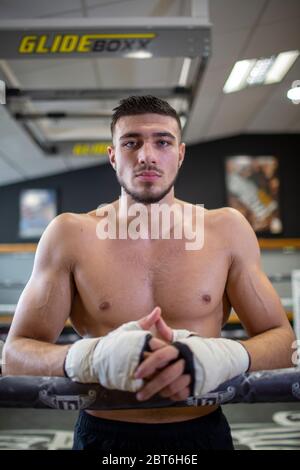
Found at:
<point>143,198</point>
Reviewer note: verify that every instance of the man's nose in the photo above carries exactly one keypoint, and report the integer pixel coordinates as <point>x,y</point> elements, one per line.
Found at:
<point>147,154</point>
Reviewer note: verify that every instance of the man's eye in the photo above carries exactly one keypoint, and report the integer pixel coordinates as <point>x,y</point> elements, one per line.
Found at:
<point>130,144</point>
<point>163,143</point>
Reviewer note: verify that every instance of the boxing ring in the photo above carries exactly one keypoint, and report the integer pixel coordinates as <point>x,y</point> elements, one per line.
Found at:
<point>275,386</point>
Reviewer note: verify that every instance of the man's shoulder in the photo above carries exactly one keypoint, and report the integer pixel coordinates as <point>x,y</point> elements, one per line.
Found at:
<point>63,230</point>
<point>66,221</point>
<point>231,225</point>
<point>72,227</point>
<point>236,231</point>
<point>225,215</point>
<point>58,244</point>
<point>102,210</point>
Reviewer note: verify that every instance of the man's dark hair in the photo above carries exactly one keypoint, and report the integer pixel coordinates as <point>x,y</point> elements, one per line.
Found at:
<point>134,105</point>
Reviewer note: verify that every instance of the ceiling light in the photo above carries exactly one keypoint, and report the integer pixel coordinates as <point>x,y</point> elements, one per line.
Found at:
<point>259,71</point>
<point>183,119</point>
<point>238,76</point>
<point>2,92</point>
<point>139,55</point>
<point>184,72</point>
<point>281,65</point>
<point>294,92</point>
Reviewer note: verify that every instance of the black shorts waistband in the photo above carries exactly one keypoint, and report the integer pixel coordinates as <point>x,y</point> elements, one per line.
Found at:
<point>96,424</point>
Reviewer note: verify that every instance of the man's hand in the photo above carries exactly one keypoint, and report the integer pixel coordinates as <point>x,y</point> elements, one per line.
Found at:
<point>189,366</point>
<point>159,328</point>
<point>112,360</point>
<point>164,371</point>
<point>212,361</point>
<point>156,325</point>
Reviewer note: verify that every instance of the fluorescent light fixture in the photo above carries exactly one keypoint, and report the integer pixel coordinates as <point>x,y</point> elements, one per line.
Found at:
<point>2,92</point>
<point>139,55</point>
<point>184,72</point>
<point>183,120</point>
<point>281,66</point>
<point>261,71</point>
<point>294,92</point>
<point>258,72</point>
<point>238,76</point>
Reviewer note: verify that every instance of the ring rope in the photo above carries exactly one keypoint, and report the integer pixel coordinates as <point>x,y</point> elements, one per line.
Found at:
<point>269,386</point>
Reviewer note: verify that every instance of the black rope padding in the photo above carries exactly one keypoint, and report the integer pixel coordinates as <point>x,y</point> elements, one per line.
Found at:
<point>282,385</point>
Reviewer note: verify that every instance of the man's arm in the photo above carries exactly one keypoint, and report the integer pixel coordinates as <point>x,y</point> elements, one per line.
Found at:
<point>44,306</point>
<point>255,300</point>
<point>214,360</point>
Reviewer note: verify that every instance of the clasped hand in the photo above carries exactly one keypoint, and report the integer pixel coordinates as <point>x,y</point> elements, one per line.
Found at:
<point>162,369</point>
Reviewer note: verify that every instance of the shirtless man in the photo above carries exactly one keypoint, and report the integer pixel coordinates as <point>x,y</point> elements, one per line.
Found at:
<point>102,284</point>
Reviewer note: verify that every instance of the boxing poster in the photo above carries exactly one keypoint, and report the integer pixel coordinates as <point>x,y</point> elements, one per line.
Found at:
<point>253,185</point>
<point>37,208</point>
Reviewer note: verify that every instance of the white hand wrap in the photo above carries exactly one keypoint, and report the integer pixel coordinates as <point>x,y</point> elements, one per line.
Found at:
<point>110,360</point>
<point>213,361</point>
<point>180,334</point>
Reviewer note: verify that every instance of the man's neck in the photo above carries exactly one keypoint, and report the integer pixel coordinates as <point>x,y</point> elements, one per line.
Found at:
<point>126,202</point>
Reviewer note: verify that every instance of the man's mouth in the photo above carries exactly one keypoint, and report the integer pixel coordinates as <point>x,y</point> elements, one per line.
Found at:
<point>148,175</point>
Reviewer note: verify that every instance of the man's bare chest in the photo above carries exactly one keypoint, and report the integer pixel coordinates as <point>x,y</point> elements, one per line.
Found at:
<point>122,282</point>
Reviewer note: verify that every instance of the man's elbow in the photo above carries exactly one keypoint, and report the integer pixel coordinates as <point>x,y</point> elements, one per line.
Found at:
<point>4,362</point>
<point>290,342</point>
<point>8,358</point>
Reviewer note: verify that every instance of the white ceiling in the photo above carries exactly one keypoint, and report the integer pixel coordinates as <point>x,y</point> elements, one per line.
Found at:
<point>240,29</point>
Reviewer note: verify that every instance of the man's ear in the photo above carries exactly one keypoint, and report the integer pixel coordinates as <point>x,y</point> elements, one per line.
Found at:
<point>112,156</point>
<point>181,154</point>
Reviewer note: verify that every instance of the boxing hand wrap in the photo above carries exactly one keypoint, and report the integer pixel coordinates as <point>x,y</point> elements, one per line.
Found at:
<point>180,334</point>
<point>110,360</point>
<point>211,361</point>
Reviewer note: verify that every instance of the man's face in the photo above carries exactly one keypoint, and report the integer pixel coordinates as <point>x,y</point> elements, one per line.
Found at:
<point>146,155</point>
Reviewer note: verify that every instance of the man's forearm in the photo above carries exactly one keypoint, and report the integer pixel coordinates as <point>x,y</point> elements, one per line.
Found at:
<point>24,356</point>
<point>271,349</point>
